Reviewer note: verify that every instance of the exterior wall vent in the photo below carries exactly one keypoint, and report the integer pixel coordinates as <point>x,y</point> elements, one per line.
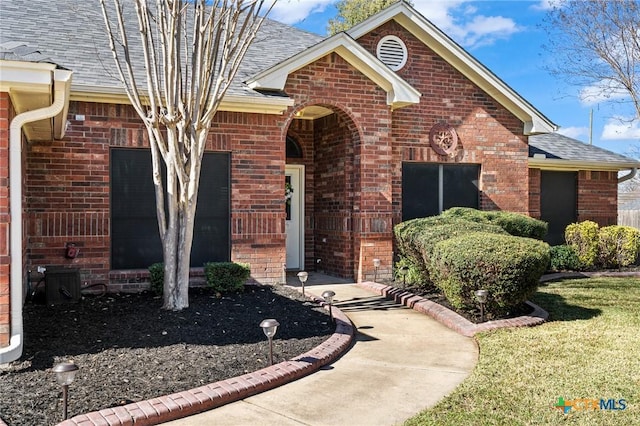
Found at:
<point>392,52</point>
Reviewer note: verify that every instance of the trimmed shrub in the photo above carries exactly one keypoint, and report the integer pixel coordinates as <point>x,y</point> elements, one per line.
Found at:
<point>563,258</point>
<point>156,276</point>
<point>618,246</point>
<point>508,267</point>
<point>582,237</point>
<point>226,277</point>
<point>416,239</point>
<point>516,224</point>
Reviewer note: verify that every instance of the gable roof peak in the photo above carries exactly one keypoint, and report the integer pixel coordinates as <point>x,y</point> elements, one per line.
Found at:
<point>444,46</point>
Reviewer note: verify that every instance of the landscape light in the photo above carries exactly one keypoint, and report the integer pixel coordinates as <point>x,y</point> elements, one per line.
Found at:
<point>403,271</point>
<point>481,297</point>
<point>269,327</point>
<point>65,373</point>
<point>327,295</point>
<point>376,265</point>
<point>302,276</point>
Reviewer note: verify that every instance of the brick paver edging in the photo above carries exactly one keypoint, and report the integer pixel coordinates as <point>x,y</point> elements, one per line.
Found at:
<point>186,403</point>
<point>449,318</point>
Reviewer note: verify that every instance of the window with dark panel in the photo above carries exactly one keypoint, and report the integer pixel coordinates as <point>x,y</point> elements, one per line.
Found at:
<point>135,241</point>
<point>430,188</point>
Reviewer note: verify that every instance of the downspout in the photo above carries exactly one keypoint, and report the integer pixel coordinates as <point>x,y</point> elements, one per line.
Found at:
<point>631,175</point>
<point>62,80</point>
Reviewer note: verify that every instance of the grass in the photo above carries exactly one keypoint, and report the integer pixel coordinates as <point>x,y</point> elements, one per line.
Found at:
<point>590,348</point>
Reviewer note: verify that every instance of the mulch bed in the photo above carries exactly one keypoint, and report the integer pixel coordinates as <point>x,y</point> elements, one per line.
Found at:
<point>129,349</point>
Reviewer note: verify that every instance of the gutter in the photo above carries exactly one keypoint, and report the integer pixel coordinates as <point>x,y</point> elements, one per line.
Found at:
<point>61,88</point>
<point>631,175</point>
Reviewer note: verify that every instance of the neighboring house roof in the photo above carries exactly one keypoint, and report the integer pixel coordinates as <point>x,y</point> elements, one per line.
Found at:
<point>556,151</point>
<point>405,15</point>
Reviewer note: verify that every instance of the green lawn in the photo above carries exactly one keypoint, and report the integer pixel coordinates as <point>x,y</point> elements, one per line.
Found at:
<point>590,348</point>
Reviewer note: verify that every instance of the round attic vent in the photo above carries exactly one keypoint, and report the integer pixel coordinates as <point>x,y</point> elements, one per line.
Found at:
<point>392,52</point>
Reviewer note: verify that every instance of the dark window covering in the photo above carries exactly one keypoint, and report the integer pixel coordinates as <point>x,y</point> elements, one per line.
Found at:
<point>135,241</point>
<point>430,188</point>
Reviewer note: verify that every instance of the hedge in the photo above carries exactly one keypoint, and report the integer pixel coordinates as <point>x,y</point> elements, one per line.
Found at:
<point>508,267</point>
<point>226,277</point>
<point>515,224</point>
<point>563,258</point>
<point>416,239</point>
<point>156,276</point>
<point>618,246</point>
<point>583,239</point>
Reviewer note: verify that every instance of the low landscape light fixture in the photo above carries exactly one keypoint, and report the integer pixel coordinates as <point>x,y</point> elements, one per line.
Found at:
<point>327,295</point>
<point>65,373</point>
<point>403,271</point>
<point>376,265</point>
<point>481,297</point>
<point>269,327</point>
<point>302,276</point>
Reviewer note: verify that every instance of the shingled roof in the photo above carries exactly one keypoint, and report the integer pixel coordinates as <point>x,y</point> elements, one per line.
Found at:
<point>554,146</point>
<point>71,34</point>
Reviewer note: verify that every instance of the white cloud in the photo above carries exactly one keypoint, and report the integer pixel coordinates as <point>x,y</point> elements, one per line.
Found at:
<point>621,128</point>
<point>460,21</point>
<point>294,11</point>
<point>604,91</point>
<point>457,18</point>
<point>574,132</point>
<point>544,5</point>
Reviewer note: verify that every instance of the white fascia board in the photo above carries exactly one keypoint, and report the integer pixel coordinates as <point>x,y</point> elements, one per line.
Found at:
<point>534,121</point>
<point>570,165</point>
<point>399,92</point>
<point>27,76</point>
<point>249,104</point>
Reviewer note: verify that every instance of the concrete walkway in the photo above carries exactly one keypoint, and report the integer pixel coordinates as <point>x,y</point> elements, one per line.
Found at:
<point>401,363</point>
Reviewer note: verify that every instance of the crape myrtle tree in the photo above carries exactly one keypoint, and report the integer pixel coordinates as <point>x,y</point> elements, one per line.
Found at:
<point>596,44</point>
<point>175,60</point>
<point>352,12</point>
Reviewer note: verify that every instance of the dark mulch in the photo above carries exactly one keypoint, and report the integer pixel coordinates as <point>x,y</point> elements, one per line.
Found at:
<point>129,349</point>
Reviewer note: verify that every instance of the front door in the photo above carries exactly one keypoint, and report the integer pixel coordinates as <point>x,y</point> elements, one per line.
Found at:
<point>294,224</point>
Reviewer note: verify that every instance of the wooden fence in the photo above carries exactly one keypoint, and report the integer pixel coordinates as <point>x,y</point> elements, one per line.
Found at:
<point>629,218</point>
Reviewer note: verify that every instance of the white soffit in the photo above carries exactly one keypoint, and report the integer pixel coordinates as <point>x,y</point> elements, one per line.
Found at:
<point>534,121</point>
<point>399,92</point>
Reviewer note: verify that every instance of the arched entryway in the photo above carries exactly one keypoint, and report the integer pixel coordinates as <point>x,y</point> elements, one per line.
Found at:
<point>323,145</point>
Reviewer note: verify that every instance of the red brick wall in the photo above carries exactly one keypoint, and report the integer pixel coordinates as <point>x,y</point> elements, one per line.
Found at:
<point>364,212</point>
<point>488,134</point>
<point>67,188</point>
<point>6,114</point>
<point>598,197</point>
<point>534,193</point>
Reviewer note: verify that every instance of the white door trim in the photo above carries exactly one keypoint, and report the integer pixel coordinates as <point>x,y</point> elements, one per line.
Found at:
<point>297,173</point>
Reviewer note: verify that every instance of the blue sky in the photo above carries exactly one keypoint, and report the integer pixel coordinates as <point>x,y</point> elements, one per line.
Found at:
<point>506,37</point>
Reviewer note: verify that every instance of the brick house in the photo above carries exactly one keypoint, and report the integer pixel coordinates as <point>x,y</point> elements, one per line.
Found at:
<point>388,121</point>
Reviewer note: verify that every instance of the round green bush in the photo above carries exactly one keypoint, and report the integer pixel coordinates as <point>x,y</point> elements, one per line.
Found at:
<point>563,258</point>
<point>508,267</point>
<point>618,246</point>
<point>156,276</point>
<point>416,238</point>
<point>582,237</point>
<point>226,277</point>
